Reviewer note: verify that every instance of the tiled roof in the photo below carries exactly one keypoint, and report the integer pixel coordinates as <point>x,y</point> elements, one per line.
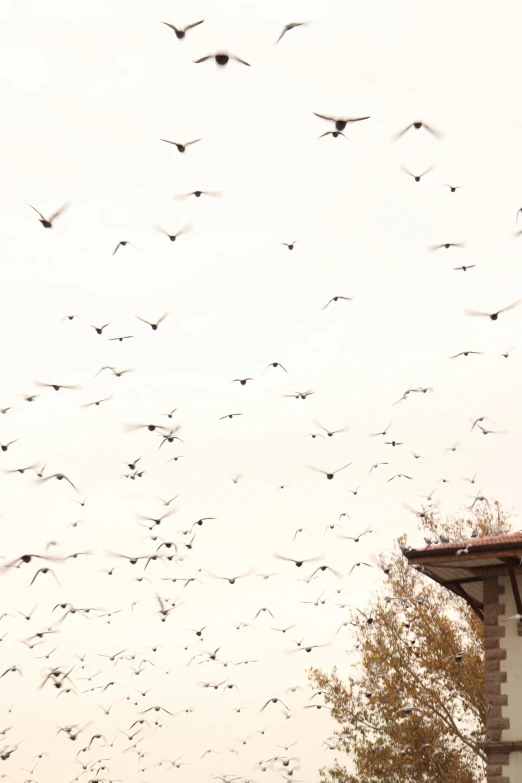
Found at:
<point>505,542</point>
<point>459,565</point>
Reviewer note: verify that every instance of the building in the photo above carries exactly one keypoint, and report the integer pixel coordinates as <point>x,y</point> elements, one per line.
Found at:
<point>487,573</point>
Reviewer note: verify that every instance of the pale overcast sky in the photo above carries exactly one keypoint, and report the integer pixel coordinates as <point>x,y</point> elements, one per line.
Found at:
<point>88,88</point>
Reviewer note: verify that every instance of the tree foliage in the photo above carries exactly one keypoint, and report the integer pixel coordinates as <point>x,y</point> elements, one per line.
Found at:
<point>413,707</point>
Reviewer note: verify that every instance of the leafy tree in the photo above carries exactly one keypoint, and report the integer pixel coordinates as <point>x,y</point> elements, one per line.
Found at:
<point>414,707</point>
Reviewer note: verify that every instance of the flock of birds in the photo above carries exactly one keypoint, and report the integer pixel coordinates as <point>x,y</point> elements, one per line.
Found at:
<point>117,715</point>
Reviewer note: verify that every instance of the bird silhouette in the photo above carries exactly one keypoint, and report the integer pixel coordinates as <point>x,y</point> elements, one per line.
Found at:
<point>466,353</point>
<point>418,124</point>
<point>153,325</point>
<point>199,193</point>
<point>336,299</point>
<point>181,147</point>
<point>334,134</point>
<point>221,58</point>
<point>300,395</point>
<point>493,316</point>
<point>447,245</point>
<point>289,27</point>
<point>329,475</point>
<point>121,243</point>
<point>181,31</point>
<point>173,237</point>
<point>48,222</point>
<point>417,177</point>
<point>340,123</point>
<point>275,364</point>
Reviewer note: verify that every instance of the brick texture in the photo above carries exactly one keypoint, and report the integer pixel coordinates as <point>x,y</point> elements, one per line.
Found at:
<point>493,655</point>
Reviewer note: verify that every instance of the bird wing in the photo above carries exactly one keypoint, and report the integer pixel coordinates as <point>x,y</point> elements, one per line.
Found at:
<point>58,211</point>
<point>344,466</point>
<point>401,133</point>
<point>194,24</point>
<point>36,210</point>
<point>324,117</point>
<point>510,307</point>
<point>202,59</point>
<point>288,27</point>
<point>244,62</point>
<point>172,27</point>
<point>433,132</point>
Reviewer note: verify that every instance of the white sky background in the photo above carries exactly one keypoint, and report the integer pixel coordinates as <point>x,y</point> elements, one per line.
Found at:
<point>87,90</point>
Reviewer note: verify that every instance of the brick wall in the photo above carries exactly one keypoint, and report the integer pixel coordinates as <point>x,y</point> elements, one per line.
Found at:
<point>494,677</point>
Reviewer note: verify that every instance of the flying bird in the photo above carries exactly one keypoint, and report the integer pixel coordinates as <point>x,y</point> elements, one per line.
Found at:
<point>336,299</point>
<point>56,386</point>
<point>181,147</point>
<point>199,193</point>
<point>334,134</point>
<point>466,353</point>
<point>288,27</point>
<point>340,122</point>
<point>300,395</point>
<point>446,245</point>
<point>493,316</point>
<point>5,446</point>
<point>329,475</point>
<point>181,31</point>
<point>99,329</point>
<point>275,364</point>
<point>121,243</point>
<point>173,237</point>
<point>384,432</point>
<point>417,125</point>
<point>59,477</point>
<point>298,563</point>
<point>377,464</point>
<point>331,433</point>
<point>48,222</point>
<point>274,701</point>
<point>221,58</point>
<point>417,177</point>
<point>152,325</point>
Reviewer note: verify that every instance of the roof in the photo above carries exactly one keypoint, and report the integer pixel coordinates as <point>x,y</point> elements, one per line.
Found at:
<point>462,565</point>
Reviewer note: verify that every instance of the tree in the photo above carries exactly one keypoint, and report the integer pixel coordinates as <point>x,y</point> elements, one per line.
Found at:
<point>414,707</point>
